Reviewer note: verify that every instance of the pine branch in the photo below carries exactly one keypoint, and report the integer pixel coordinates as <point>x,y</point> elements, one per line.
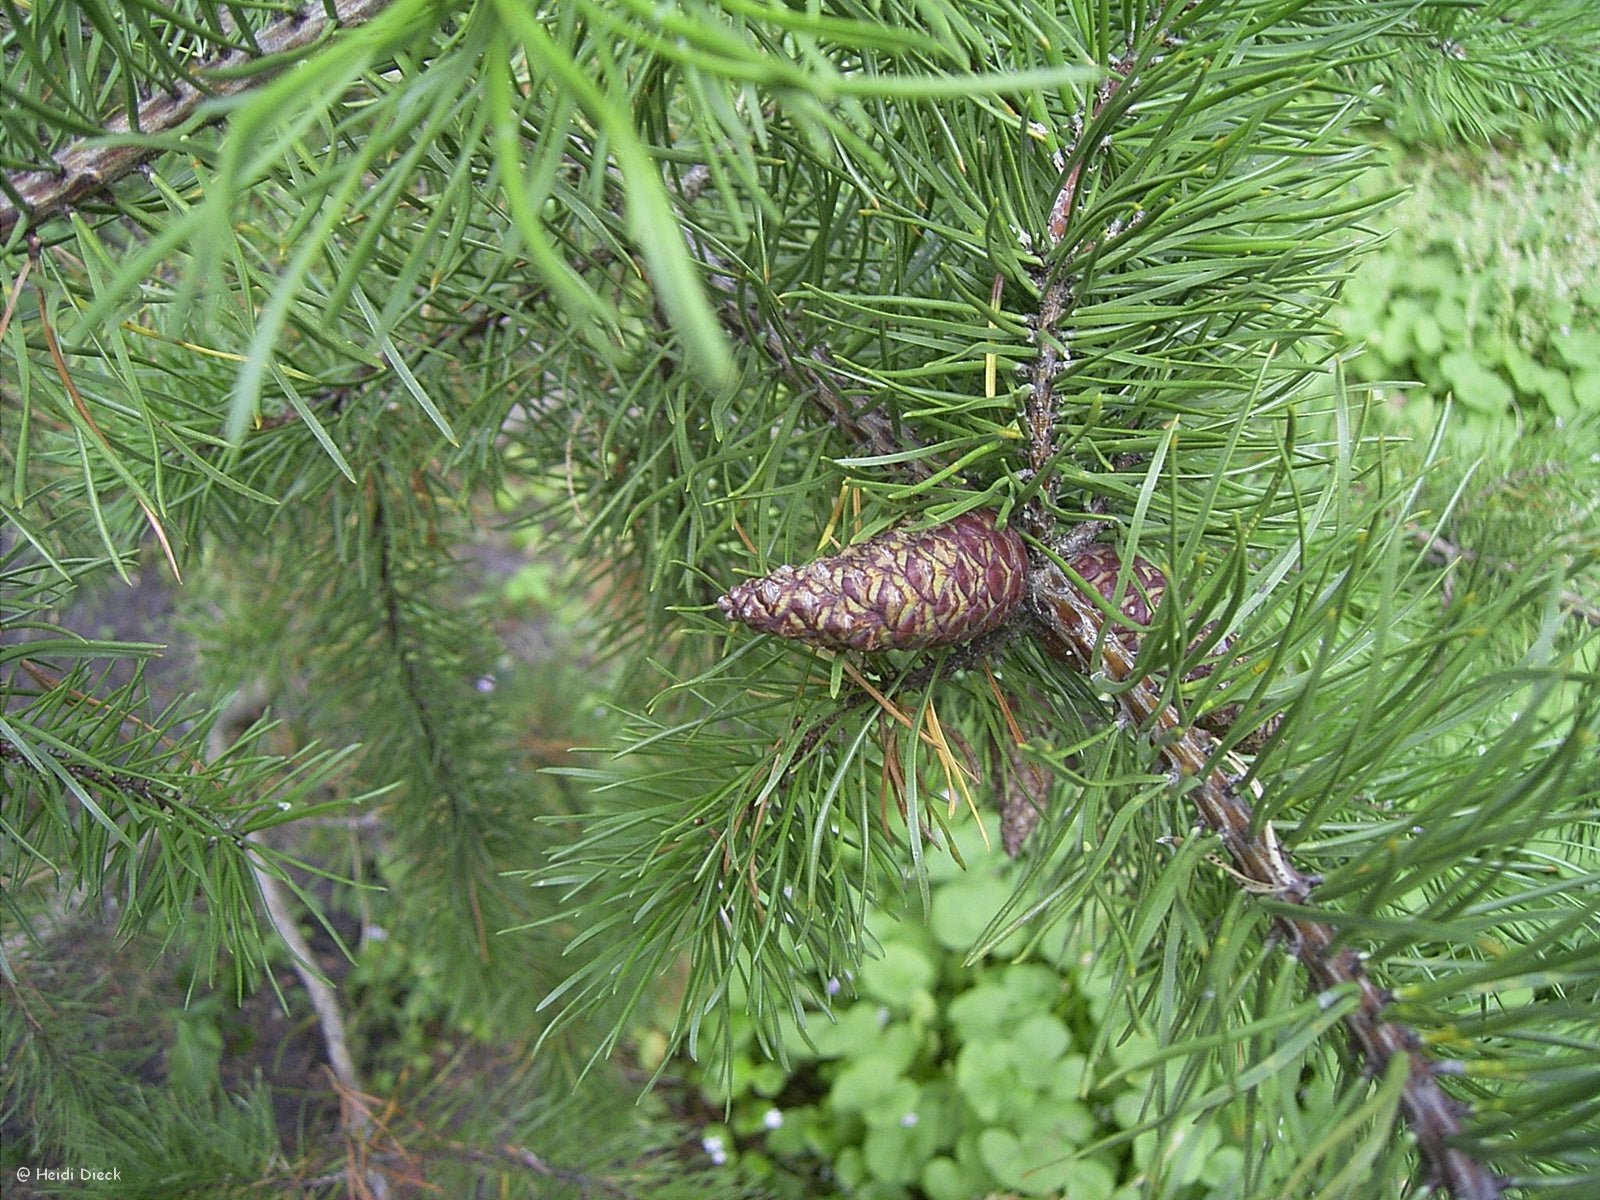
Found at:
<point>89,165</point>
<point>157,795</point>
<point>1073,630</point>
<point>1056,297</point>
<point>1054,353</point>
<point>1073,633</point>
<point>840,382</point>
<point>809,368</point>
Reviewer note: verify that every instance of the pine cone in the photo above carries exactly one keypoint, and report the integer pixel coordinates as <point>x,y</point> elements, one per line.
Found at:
<point>1024,790</point>
<point>1099,564</point>
<point>901,590</point>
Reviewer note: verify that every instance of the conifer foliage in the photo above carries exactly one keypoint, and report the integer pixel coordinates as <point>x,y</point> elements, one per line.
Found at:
<point>973,358</point>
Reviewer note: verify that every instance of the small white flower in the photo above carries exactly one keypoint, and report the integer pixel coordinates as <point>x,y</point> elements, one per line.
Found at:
<point>773,1118</point>
<point>907,1120</point>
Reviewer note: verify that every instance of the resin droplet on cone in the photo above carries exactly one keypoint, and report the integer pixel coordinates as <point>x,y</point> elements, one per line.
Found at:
<point>902,590</point>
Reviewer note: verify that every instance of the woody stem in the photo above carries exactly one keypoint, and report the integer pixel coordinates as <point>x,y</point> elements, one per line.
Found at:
<point>1072,632</point>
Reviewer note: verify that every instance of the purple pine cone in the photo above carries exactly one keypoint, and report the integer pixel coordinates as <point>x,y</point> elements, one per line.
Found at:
<point>1099,564</point>
<point>901,590</point>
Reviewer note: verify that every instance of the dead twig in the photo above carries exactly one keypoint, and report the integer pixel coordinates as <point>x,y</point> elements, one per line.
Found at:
<point>88,165</point>
<point>358,1124</point>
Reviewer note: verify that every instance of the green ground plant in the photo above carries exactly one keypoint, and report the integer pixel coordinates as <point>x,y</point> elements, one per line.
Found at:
<point>1487,291</point>
<point>950,1078</point>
